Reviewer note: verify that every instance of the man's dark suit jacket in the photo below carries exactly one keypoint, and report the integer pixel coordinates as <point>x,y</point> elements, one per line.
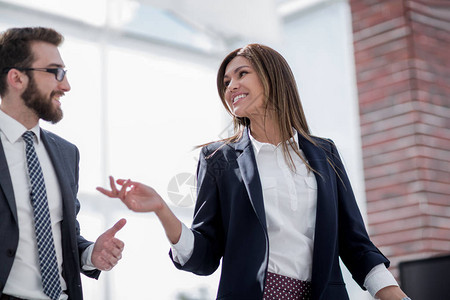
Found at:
<point>65,159</point>
<point>229,223</point>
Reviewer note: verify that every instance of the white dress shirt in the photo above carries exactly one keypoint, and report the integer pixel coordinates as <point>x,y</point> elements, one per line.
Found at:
<point>24,279</point>
<point>290,200</point>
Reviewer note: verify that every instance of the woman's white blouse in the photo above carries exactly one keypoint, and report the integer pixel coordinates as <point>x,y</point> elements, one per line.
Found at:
<point>290,200</point>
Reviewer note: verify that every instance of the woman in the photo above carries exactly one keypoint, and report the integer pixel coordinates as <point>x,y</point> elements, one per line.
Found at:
<point>274,203</point>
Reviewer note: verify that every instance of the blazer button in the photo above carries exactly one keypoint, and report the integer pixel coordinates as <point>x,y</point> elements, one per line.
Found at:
<point>10,252</point>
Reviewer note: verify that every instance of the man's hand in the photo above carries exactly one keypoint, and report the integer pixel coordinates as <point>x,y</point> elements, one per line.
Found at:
<point>108,249</point>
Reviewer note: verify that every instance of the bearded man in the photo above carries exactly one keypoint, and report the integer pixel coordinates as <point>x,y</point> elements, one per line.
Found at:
<point>41,252</point>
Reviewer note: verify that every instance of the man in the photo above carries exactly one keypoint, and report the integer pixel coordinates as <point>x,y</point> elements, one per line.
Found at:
<point>41,251</point>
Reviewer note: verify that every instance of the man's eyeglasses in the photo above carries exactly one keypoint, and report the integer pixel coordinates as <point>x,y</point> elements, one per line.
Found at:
<point>59,72</point>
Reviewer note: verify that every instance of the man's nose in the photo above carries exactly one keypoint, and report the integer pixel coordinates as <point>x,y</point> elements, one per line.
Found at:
<point>64,84</point>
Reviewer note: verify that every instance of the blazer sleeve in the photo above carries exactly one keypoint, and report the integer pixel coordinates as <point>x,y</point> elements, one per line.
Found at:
<point>356,250</point>
<point>207,226</point>
<point>81,241</point>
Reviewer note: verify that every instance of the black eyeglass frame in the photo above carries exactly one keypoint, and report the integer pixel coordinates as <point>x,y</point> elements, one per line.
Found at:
<point>59,73</point>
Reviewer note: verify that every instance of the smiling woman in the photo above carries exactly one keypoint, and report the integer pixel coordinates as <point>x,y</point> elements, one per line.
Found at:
<point>279,226</point>
<point>245,92</point>
<point>274,106</point>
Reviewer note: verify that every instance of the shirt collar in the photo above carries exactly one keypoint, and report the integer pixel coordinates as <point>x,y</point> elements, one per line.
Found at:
<point>257,145</point>
<point>13,130</point>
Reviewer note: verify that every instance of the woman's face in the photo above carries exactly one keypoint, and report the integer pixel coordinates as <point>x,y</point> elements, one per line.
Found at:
<point>244,92</point>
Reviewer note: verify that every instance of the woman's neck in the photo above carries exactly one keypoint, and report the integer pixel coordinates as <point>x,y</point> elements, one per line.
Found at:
<point>266,131</point>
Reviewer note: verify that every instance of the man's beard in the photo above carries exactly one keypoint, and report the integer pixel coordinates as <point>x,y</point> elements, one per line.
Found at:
<point>42,106</point>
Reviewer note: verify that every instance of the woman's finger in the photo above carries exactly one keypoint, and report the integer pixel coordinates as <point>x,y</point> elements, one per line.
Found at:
<point>124,188</point>
<point>106,192</point>
<point>113,185</point>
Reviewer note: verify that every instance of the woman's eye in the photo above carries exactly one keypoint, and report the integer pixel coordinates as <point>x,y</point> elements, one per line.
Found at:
<point>242,73</point>
<point>226,83</point>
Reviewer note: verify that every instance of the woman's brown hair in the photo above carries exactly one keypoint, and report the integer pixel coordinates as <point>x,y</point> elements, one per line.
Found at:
<point>280,91</point>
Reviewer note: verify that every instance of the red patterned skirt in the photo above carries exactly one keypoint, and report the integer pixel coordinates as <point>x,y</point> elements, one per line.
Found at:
<point>279,287</point>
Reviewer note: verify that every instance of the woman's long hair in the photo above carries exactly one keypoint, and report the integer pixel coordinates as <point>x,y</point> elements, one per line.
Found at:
<point>280,92</point>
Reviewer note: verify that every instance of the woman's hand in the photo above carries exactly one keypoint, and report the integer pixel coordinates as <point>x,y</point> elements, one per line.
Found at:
<point>141,198</point>
<point>136,196</point>
<point>390,293</point>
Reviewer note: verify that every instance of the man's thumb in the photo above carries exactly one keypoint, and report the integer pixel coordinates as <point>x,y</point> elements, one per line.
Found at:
<point>119,225</point>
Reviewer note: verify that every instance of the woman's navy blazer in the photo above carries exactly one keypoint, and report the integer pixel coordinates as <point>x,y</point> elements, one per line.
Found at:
<point>230,223</point>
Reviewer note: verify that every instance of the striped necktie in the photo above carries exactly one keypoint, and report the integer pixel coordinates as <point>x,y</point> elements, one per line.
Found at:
<point>44,237</point>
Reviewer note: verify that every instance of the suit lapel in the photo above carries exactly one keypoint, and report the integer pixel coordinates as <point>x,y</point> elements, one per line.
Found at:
<point>6,183</point>
<point>325,238</point>
<point>57,159</point>
<point>54,154</point>
<point>249,172</point>
<point>61,160</point>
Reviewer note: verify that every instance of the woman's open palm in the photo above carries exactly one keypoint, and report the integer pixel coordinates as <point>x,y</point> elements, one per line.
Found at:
<point>136,196</point>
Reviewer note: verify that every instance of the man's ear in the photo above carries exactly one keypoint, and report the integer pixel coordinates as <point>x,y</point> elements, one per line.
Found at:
<point>16,80</point>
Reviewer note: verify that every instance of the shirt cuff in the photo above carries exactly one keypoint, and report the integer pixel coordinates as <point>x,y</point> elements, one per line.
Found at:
<point>182,251</point>
<point>379,277</point>
<point>86,262</point>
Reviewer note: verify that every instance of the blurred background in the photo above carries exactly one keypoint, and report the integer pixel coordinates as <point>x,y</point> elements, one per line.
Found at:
<point>374,76</point>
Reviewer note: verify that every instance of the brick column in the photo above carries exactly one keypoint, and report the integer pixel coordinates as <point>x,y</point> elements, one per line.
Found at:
<point>402,55</point>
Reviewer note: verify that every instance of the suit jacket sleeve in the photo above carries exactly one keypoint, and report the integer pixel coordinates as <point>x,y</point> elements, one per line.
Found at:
<point>207,226</point>
<point>81,241</point>
<point>356,250</point>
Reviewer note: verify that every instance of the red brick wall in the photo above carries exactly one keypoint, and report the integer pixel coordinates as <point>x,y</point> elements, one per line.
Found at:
<point>402,55</point>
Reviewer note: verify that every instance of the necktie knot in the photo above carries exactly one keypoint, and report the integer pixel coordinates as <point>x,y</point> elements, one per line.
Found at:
<point>28,137</point>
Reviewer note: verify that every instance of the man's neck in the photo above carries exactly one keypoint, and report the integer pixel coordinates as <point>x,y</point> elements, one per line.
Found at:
<point>20,113</point>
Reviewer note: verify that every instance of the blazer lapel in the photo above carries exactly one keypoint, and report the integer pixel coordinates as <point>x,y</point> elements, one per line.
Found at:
<point>58,162</point>
<point>249,172</point>
<point>6,183</point>
<point>325,239</point>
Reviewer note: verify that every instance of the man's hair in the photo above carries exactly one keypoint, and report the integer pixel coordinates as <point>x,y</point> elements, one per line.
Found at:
<point>15,48</point>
